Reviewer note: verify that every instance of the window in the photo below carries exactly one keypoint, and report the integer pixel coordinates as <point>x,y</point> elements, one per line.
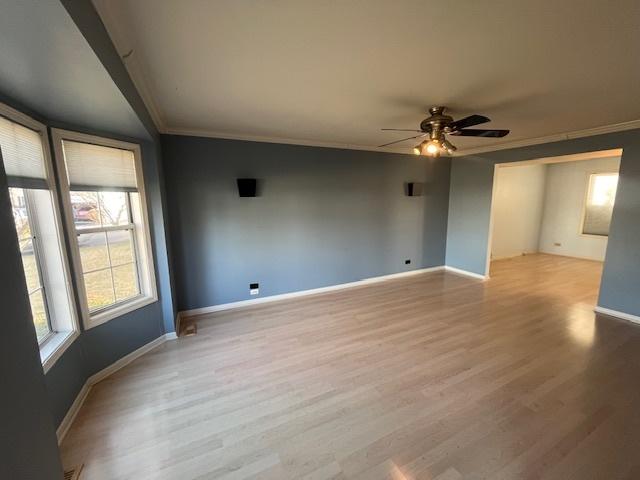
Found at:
<point>28,167</point>
<point>106,239</point>
<point>601,194</point>
<point>28,243</point>
<point>103,189</point>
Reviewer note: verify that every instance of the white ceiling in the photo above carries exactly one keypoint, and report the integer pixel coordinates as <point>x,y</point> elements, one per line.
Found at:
<point>334,72</point>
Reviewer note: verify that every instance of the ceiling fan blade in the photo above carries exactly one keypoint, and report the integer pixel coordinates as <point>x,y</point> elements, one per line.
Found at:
<point>476,132</point>
<point>400,130</point>
<point>469,121</point>
<point>404,139</point>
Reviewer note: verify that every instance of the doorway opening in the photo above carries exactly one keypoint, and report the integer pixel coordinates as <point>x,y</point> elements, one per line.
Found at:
<point>550,222</point>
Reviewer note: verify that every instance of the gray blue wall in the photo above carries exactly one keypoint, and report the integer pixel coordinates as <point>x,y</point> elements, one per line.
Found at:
<point>324,217</point>
<point>469,212</point>
<point>28,443</point>
<point>470,208</point>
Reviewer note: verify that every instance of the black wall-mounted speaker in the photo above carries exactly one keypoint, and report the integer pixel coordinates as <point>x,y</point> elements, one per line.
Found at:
<point>414,189</point>
<point>247,187</point>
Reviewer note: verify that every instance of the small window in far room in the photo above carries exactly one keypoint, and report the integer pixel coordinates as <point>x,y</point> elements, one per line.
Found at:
<point>599,203</point>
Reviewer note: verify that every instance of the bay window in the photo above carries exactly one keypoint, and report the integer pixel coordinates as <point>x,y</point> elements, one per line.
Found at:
<point>103,195</point>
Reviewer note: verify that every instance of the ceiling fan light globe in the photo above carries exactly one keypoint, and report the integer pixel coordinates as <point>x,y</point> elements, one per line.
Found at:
<point>432,148</point>
<point>448,146</point>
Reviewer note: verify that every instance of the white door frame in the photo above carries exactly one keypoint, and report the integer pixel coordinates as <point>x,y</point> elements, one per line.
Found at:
<point>575,157</point>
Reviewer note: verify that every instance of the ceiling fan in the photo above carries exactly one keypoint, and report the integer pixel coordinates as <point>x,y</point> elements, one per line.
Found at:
<point>438,125</point>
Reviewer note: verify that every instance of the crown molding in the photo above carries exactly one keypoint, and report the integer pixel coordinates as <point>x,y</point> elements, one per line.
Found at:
<point>138,79</point>
<point>282,140</point>
<point>125,48</point>
<point>617,127</point>
<point>589,132</point>
<point>614,152</point>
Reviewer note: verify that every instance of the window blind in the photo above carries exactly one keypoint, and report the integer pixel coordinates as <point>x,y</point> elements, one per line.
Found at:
<point>22,155</point>
<point>96,167</point>
<point>599,206</point>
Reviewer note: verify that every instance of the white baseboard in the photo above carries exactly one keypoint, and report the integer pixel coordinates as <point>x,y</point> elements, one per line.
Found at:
<point>127,359</point>
<point>566,255</point>
<point>171,336</point>
<point>617,314</point>
<point>68,419</point>
<point>513,255</point>
<point>72,413</point>
<point>466,273</point>
<point>302,293</point>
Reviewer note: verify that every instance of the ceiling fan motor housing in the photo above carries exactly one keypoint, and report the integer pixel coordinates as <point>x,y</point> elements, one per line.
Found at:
<point>437,120</point>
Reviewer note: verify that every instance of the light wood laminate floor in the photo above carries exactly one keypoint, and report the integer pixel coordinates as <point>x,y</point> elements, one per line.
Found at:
<point>435,376</point>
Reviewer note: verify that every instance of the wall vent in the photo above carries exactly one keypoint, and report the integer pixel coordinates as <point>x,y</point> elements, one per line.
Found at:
<point>188,328</point>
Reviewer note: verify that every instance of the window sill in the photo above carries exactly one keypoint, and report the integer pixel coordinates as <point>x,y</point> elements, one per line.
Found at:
<point>53,349</point>
<point>103,317</point>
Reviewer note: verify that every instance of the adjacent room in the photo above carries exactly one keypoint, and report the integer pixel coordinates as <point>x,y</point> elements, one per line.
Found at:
<point>319,240</point>
<point>551,219</point>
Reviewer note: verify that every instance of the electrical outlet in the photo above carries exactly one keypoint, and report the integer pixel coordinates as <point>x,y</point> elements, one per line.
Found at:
<point>254,289</point>
<point>407,261</point>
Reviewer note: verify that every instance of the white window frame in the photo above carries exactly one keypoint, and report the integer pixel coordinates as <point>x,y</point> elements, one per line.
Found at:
<point>587,194</point>
<point>40,265</point>
<point>144,252</point>
<point>64,330</point>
